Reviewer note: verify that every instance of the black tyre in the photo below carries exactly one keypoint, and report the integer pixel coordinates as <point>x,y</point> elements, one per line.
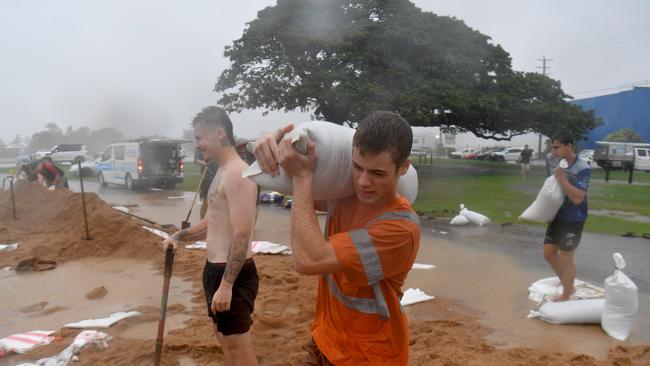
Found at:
<point>128,182</point>
<point>100,179</point>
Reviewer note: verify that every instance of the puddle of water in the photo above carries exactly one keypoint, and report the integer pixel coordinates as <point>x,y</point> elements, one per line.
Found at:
<point>491,283</point>
<point>48,300</point>
<point>149,330</point>
<point>630,216</point>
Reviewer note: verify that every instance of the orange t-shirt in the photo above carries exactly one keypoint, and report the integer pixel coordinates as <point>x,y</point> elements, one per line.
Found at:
<point>349,337</point>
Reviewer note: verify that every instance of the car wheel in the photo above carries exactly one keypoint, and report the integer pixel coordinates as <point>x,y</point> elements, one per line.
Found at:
<point>100,179</point>
<point>128,182</point>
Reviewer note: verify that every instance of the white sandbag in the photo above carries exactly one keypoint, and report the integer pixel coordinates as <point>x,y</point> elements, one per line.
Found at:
<point>548,288</point>
<point>68,355</point>
<point>474,217</point>
<point>571,312</point>
<point>546,204</point>
<point>413,296</point>
<point>333,175</point>
<point>459,220</point>
<point>548,201</point>
<point>621,302</point>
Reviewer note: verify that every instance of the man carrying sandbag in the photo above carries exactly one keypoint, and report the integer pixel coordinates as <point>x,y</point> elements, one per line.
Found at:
<point>564,232</point>
<point>371,242</point>
<point>230,277</point>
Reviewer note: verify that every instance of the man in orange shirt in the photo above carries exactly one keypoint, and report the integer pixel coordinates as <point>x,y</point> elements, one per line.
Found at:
<point>371,242</point>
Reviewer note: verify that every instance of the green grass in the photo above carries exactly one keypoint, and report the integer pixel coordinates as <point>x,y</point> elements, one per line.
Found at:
<point>496,190</point>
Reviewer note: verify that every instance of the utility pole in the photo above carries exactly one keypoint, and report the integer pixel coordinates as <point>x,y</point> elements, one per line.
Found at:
<point>544,67</point>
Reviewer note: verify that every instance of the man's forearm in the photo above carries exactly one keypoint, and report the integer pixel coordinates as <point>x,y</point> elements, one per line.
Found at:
<point>307,240</point>
<point>236,257</point>
<point>575,194</point>
<point>179,235</point>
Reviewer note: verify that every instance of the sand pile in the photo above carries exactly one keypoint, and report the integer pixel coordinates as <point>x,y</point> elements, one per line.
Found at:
<point>50,227</point>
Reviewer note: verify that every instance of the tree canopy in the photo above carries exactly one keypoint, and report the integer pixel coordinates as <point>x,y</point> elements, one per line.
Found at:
<point>344,59</point>
<point>624,135</point>
<point>95,140</point>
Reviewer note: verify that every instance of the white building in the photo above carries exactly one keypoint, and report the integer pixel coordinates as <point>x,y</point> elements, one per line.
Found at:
<point>434,140</point>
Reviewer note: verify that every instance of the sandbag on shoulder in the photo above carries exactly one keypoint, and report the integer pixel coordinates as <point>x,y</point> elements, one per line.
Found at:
<point>333,174</point>
<point>548,200</point>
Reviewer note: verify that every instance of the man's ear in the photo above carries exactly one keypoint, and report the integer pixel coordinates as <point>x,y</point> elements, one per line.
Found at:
<point>404,167</point>
<point>221,133</point>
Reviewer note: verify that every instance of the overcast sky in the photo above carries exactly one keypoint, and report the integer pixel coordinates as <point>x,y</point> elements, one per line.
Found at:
<point>147,67</point>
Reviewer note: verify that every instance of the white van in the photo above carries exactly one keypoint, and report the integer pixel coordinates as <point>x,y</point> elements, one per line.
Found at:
<point>642,159</point>
<point>142,164</point>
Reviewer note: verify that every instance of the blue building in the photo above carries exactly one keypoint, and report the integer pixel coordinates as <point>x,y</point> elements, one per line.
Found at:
<point>627,109</point>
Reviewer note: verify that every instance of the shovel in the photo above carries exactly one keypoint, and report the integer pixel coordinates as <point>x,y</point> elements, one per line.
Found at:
<point>186,223</point>
<point>169,262</point>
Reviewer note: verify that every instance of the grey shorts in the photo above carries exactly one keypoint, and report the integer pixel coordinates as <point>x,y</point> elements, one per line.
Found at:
<point>566,235</point>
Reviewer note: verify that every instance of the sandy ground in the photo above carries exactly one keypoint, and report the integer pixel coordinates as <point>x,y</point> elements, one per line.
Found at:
<point>120,269</point>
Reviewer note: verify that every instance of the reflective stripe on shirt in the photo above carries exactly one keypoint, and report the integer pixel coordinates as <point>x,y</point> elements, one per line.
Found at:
<point>371,265</point>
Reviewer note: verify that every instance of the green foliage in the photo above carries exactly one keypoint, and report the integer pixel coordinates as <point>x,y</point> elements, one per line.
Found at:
<point>95,140</point>
<point>345,59</point>
<point>624,135</point>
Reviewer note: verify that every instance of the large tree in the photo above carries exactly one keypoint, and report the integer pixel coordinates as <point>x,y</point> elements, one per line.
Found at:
<point>343,59</point>
<point>624,135</point>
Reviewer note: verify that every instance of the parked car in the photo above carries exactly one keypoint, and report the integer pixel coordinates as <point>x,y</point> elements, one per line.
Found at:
<point>143,163</point>
<point>511,154</point>
<point>88,168</point>
<point>466,153</point>
<point>72,153</point>
<point>487,154</point>
<point>621,155</point>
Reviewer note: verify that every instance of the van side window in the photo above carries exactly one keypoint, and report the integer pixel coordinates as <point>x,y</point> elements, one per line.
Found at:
<point>107,154</point>
<point>131,152</point>
<point>642,152</point>
<point>118,152</point>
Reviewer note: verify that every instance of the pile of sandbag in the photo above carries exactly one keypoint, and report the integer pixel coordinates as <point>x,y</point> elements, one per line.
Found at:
<point>333,174</point>
<point>615,312</point>
<point>466,216</point>
<point>548,200</point>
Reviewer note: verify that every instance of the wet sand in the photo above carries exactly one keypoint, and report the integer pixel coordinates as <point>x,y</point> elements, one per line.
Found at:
<point>478,316</point>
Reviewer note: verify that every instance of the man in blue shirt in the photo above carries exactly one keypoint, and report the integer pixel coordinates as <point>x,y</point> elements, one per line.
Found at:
<point>564,233</point>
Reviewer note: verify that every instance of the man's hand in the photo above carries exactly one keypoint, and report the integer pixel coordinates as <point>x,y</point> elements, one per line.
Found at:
<point>172,240</point>
<point>559,174</point>
<point>222,298</point>
<point>295,164</point>
<point>266,150</point>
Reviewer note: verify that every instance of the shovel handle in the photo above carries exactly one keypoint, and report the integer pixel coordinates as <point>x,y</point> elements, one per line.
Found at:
<point>169,262</point>
<point>198,188</point>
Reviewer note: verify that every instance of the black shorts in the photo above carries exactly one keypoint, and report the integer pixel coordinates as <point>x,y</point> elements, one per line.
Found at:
<point>566,235</point>
<point>244,291</point>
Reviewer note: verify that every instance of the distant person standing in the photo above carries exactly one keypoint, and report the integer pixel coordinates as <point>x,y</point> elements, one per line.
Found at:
<point>524,160</point>
<point>563,234</point>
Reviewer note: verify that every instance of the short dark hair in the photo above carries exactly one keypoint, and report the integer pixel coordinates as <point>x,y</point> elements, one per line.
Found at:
<point>384,131</point>
<point>214,117</point>
<point>564,137</point>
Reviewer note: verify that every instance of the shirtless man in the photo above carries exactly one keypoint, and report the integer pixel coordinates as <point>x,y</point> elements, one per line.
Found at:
<point>230,277</point>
